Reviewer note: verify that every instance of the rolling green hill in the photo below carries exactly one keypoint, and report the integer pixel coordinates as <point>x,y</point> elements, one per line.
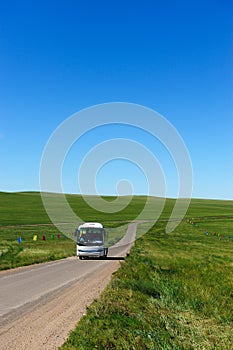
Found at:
<point>24,208</point>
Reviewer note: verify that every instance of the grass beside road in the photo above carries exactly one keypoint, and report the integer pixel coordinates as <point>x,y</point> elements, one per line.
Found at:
<point>14,254</point>
<point>174,291</point>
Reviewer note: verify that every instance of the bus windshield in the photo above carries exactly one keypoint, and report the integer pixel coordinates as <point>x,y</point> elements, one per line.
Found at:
<point>90,236</point>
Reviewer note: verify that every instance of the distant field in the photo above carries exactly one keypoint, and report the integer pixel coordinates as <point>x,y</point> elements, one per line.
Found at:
<point>23,216</point>
<point>26,208</point>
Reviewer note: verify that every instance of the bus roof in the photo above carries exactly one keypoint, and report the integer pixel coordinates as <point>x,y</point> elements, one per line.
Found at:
<point>91,224</point>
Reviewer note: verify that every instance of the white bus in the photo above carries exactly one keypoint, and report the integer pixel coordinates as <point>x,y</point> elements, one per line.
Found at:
<point>91,240</point>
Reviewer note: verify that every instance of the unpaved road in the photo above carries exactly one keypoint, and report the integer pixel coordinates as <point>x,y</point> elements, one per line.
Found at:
<point>40,305</point>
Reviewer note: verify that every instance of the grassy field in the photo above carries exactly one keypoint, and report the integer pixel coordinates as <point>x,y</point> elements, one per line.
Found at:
<point>14,254</point>
<point>172,292</point>
<point>27,208</point>
<point>23,216</point>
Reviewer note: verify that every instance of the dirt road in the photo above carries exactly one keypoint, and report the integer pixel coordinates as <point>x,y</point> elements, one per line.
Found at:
<point>40,305</point>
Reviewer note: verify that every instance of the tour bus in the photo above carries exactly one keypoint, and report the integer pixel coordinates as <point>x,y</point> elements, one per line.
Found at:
<point>91,240</point>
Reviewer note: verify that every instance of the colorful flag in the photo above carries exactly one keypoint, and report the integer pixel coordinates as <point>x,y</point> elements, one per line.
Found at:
<point>35,238</point>
<point>19,239</point>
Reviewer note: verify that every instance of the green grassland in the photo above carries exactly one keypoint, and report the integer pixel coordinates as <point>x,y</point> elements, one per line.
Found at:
<point>23,208</point>
<point>14,254</point>
<point>174,291</point>
<point>23,215</point>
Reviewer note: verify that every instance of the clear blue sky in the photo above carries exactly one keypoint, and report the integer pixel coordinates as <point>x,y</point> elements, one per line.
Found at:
<point>58,57</point>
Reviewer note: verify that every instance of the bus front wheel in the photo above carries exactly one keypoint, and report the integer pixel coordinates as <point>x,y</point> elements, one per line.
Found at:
<point>105,252</point>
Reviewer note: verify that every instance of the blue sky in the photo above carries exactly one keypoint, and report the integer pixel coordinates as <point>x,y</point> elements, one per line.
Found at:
<point>58,57</point>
